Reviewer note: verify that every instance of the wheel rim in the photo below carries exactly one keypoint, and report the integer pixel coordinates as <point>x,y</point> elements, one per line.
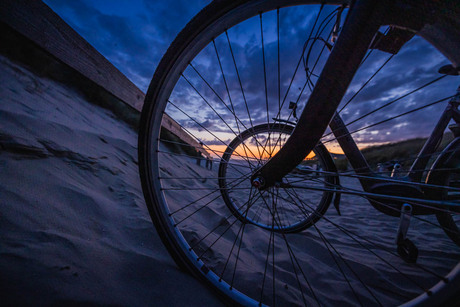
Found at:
<point>228,254</point>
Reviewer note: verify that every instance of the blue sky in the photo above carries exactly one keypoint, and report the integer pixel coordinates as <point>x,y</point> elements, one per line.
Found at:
<point>134,35</point>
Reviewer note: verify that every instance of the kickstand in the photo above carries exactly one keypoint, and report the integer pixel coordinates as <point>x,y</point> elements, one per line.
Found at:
<point>406,248</point>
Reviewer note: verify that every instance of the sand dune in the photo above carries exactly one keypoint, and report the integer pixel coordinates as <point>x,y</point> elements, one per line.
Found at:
<point>74,228</point>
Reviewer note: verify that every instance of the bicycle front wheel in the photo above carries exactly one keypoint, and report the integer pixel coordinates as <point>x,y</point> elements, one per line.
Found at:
<point>221,103</point>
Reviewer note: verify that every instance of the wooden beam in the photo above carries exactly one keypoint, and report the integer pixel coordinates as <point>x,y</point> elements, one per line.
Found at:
<point>40,24</point>
<point>170,124</point>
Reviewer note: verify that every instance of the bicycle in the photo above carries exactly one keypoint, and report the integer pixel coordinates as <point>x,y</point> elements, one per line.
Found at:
<point>257,229</point>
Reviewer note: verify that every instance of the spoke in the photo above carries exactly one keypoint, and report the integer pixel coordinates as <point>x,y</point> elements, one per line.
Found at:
<point>216,152</point>
<point>366,83</point>
<point>226,88</point>
<point>237,120</point>
<point>230,253</point>
<point>278,54</point>
<point>228,227</point>
<point>340,189</point>
<point>200,208</point>
<point>265,71</point>
<point>277,141</point>
<point>199,189</point>
<point>198,178</point>
<point>300,60</point>
<point>353,235</point>
<point>239,78</point>
<point>326,241</point>
<point>292,257</point>
<point>386,104</point>
<point>257,214</point>
<point>376,178</point>
<point>242,226</point>
<point>391,118</point>
<point>237,256</point>
<point>234,166</point>
<point>266,265</point>
<point>207,130</point>
<point>410,158</point>
<point>372,50</point>
<point>232,111</point>
<point>417,201</point>
<point>210,193</point>
<point>344,190</point>
<point>273,261</point>
<point>217,113</point>
<point>395,100</point>
<point>309,72</point>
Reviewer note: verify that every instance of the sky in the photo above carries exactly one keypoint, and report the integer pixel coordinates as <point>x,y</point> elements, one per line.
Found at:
<point>135,34</point>
<point>132,34</point>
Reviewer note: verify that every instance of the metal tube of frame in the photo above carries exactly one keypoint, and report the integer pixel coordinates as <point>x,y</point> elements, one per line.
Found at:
<point>430,146</point>
<point>349,147</point>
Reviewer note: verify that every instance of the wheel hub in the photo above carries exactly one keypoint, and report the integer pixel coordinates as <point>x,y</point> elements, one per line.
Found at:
<point>258,183</point>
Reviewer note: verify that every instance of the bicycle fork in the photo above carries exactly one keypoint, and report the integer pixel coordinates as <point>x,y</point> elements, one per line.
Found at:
<point>358,32</point>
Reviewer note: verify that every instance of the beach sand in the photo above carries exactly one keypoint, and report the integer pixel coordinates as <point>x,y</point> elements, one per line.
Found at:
<point>74,228</point>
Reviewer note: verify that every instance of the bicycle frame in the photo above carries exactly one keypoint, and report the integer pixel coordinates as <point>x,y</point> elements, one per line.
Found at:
<point>363,22</point>
<point>359,163</point>
<point>451,112</point>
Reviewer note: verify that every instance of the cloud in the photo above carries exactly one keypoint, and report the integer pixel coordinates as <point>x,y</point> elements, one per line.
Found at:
<point>133,41</point>
<point>135,37</point>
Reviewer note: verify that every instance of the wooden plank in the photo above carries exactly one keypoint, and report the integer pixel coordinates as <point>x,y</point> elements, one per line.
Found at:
<point>37,22</point>
<point>40,24</point>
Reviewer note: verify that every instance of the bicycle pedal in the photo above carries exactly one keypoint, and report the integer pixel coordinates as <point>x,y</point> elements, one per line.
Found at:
<point>407,251</point>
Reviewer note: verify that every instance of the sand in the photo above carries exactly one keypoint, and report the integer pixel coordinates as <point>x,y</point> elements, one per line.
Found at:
<point>74,228</point>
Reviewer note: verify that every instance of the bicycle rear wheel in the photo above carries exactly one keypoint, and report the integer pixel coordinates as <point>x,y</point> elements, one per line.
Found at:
<point>223,90</point>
